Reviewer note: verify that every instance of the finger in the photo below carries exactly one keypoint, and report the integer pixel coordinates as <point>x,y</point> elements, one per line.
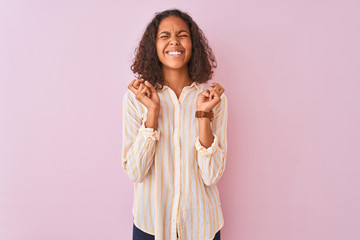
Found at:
<point>222,91</point>
<point>145,90</point>
<point>134,90</point>
<point>142,87</point>
<point>131,83</point>
<point>216,89</point>
<point>216,86</point>
<point>148,91</point>
<point>150,86</point>
<point>208,92</point>
<point>211,95</point>
<point>137,83</point>
<point>216,95</point>
<point>205,93</point>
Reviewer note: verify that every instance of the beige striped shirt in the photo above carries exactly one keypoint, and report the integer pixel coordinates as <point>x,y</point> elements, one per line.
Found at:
<point>174,175</point>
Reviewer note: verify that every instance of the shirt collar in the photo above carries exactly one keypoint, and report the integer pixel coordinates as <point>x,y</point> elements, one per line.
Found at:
<point>198,86</point>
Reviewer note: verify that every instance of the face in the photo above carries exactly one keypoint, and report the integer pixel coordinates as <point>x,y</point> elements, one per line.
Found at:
<point>173,43</point>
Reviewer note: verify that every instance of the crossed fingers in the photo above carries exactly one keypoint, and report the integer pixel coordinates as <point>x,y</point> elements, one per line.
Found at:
<point>218,88</point>
<point>137,86</point>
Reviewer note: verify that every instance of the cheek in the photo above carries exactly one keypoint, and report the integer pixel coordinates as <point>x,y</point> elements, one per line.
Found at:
<point>189,51</point>
<point>159,49</point>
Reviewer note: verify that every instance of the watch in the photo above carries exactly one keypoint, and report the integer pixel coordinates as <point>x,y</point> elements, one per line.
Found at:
<point>202,114</point>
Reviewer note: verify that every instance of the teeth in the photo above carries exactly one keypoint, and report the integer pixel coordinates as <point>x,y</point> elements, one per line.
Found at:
<point>174,53</point>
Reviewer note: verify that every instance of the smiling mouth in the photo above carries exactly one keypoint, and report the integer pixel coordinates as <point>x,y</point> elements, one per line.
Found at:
<point>174,53</point>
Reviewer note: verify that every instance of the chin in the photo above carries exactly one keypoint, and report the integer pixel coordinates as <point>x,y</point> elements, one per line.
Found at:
<point>175,66</point>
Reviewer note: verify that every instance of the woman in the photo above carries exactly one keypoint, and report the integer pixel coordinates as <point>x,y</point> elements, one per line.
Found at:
<point>174,133</point>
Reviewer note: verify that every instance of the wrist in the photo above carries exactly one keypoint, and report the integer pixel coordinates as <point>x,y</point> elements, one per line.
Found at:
<point>152,119</point>
<point>205,121</point>
<point>202,109</point>
<point>202,115</point>
<point>154,111</point>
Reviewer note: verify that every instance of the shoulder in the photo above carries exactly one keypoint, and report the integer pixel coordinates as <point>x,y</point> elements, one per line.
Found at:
<point>222,106</point>
<point>128,95</point>
<point>129,98</point>
<point>223,98</point>
<point>130,101</point>
<point>223,102</point>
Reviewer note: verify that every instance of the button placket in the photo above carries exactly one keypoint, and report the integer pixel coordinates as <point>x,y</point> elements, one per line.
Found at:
<point>177,155</point>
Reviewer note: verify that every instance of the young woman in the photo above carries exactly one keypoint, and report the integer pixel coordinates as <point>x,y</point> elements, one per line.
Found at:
<point>174,133</point>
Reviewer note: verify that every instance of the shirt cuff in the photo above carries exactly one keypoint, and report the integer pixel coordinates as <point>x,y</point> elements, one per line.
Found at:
<point>149,132</point>
<point>206,151</point>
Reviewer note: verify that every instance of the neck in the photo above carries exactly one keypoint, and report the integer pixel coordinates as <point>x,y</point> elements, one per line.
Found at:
<point>176,79</point>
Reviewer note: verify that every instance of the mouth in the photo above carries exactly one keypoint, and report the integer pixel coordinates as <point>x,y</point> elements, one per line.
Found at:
<point>174,53</point>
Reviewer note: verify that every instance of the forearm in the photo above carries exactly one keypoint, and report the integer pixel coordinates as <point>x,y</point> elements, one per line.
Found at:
<point>138,154</point>
<point>211,144</point>
<point>139,143</point>
<point>139,158</point>
<point>211,161</point>
<point>211,156</point>
<point>206,136</point>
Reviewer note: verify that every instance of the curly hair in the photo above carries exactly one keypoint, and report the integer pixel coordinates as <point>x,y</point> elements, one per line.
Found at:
<point>147,65</point>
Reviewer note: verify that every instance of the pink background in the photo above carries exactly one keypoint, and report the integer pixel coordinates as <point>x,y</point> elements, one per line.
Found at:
<point>291,74</point>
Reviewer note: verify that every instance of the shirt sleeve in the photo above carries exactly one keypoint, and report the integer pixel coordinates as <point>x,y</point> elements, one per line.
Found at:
<point>139,142</point>
<point>212,160</point>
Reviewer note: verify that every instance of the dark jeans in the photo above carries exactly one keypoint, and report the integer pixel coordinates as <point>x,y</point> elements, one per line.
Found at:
<point>140,235</point>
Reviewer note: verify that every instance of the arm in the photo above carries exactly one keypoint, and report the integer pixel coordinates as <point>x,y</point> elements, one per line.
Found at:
<point>212,147</point>
<point>139,141</point>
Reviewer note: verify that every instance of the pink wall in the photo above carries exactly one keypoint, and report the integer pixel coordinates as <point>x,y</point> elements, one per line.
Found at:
<point>291,74</point>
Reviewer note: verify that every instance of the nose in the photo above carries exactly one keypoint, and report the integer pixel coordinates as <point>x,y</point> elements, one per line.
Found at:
<point>174,42</point>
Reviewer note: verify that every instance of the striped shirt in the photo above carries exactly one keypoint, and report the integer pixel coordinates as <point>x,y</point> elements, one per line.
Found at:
<point>174,175</point>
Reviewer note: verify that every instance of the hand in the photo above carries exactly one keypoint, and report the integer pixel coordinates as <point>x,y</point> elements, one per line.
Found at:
<point>207,100</point>
<point>218,88</point>
<point>136,84</point>
<point>145,93</point>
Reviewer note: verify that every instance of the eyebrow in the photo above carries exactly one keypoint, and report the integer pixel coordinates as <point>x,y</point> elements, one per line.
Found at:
<point>181,31</point>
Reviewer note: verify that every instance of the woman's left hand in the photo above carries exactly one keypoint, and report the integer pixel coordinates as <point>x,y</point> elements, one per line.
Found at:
<point>208,99</point>
<point>218,88</point>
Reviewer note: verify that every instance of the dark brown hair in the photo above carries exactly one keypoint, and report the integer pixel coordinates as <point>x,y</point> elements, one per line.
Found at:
<point>147,65</point>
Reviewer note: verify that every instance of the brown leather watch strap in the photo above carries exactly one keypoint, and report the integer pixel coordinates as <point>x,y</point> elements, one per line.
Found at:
<point>202,114</point>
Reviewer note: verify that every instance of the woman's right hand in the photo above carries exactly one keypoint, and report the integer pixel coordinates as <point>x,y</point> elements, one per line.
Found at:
<point>146,94</point>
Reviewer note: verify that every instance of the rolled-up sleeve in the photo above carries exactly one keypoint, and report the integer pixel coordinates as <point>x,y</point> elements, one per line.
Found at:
<point>212,160</point>
<point>139,142</point>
